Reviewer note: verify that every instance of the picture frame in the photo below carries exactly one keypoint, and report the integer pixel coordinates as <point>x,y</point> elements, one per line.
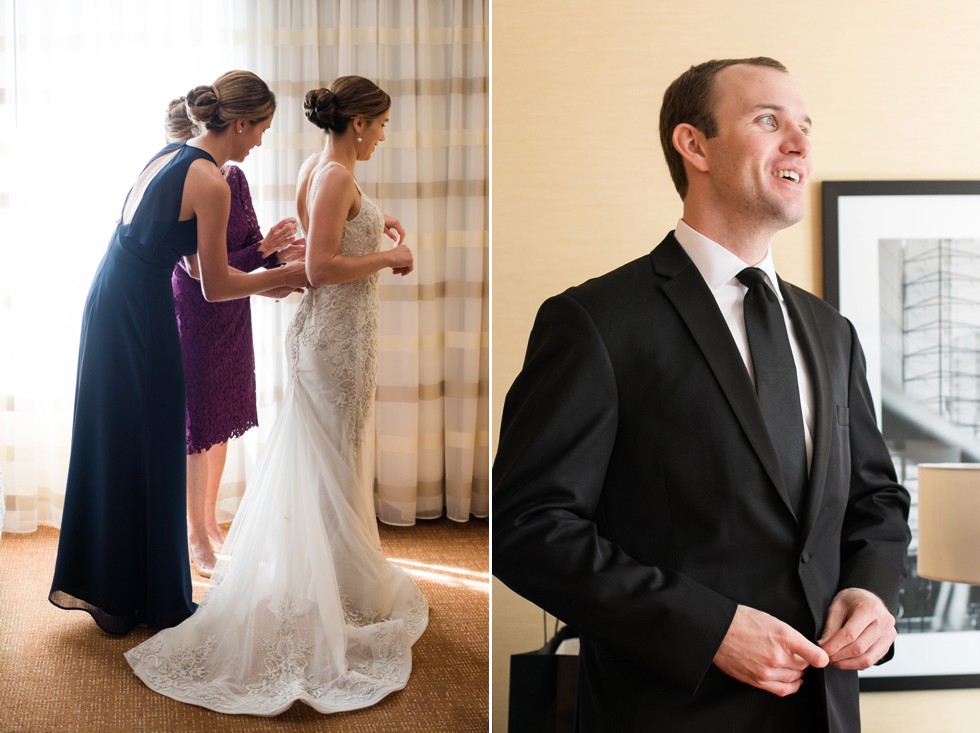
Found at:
<point>901,260</point>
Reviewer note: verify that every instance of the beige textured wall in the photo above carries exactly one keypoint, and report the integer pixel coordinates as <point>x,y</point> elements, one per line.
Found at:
<point>580,186</point>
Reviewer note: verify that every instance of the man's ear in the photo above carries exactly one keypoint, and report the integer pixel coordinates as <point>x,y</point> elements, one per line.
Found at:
<point>689,141</point>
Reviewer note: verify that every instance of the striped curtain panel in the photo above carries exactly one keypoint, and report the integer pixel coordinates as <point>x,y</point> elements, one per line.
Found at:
<point>431,56</point>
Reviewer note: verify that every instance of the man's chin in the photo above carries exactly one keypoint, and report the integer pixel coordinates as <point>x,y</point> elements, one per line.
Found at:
<point>795,216</point>
<point>790,212</point>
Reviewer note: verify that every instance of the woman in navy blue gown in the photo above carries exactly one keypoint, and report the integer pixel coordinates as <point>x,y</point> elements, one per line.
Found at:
<point>122,553</point>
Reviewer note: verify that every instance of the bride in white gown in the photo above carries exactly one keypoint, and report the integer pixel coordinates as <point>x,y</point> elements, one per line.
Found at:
<point>303,605</point>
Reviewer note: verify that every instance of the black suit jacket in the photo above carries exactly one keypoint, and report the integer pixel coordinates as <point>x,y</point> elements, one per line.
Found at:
<point>637,496</point>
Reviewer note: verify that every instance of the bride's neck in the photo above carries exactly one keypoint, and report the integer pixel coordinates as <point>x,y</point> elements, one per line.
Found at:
<point>340,150</point>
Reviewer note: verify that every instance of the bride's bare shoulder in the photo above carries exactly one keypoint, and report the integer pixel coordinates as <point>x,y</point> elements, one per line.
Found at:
<point>307,167</point>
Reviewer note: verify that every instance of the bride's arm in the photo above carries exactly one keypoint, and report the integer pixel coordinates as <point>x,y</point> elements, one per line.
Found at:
<point>332,205</point>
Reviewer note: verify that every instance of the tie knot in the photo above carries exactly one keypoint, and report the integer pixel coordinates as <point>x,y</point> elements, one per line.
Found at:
<point>751,276</point>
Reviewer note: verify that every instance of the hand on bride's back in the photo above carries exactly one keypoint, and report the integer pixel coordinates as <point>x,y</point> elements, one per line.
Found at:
<point>296,274</point>
<point>293,253</point>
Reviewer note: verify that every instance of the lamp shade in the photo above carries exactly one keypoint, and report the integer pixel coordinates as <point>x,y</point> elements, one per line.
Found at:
<point>949,522</point>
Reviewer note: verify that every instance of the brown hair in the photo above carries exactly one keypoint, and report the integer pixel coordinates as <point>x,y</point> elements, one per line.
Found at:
<point>236,95</point>
<point>333,108</point>
<point>177,126</point>
<point>690,99</point>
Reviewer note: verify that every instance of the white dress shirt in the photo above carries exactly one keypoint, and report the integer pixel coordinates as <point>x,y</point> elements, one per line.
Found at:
<point>718,266</point>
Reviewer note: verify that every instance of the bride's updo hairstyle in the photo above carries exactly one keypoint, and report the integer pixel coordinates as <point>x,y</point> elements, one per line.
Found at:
<point>177,126</point>
<point>237,95</point>
<point>333,108</point>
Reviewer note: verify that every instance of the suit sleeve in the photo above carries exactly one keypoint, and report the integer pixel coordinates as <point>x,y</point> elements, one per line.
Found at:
<point>875,534</point>
<point>557,436</point>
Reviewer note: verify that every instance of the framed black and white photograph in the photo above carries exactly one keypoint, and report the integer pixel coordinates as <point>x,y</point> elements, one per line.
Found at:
<point>902,263</point>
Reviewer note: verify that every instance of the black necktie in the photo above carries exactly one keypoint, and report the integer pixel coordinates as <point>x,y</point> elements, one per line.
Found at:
<point>775,380</point>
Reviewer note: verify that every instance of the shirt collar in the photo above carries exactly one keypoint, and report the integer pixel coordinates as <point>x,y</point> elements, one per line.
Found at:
<point>717,265</point>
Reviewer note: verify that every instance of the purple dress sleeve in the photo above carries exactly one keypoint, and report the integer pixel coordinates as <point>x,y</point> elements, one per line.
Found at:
<point>247,257</point>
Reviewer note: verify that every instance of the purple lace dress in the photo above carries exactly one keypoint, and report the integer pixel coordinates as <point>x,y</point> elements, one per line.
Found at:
<point>216,338</point>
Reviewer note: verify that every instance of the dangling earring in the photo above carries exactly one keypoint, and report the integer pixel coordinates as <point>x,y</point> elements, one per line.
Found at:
<point>359,139</point>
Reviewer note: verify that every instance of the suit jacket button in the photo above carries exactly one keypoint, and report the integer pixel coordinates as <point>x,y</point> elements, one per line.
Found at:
<point>805,557</point>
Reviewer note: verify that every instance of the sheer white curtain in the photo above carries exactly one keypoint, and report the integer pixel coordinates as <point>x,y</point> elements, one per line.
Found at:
<point>82,93</point>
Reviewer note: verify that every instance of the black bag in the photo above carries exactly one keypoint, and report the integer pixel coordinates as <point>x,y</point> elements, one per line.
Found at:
<point>543,688</point>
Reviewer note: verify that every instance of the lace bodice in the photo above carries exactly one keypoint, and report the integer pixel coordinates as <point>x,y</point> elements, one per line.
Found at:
<point>338,324</point>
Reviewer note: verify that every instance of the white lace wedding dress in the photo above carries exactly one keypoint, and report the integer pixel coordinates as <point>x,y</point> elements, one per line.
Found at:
<point>303,605</point>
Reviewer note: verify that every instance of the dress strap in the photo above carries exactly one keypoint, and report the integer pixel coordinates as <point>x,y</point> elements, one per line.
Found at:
<point>334,162</point>
<point>316,181</point>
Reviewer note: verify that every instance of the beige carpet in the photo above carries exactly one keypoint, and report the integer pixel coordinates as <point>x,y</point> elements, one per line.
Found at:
<point>59,672</point>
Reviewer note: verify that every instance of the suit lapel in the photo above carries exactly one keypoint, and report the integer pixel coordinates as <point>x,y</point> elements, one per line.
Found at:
<point>697,307</point>
<point>808,335</point>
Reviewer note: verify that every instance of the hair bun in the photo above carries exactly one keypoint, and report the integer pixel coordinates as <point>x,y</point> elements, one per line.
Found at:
<point>202,103</point>
<point>177,124</point>
<point>320,106</point>
<point>348,97</point>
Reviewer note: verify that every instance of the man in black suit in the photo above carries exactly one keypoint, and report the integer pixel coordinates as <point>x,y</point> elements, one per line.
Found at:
<point>707,500</point>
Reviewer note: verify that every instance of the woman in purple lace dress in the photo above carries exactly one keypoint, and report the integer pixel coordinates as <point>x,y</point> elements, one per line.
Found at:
<point>216,341</point>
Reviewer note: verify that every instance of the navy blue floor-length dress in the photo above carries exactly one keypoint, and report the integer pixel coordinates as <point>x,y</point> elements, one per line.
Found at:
<point>122,553</point>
